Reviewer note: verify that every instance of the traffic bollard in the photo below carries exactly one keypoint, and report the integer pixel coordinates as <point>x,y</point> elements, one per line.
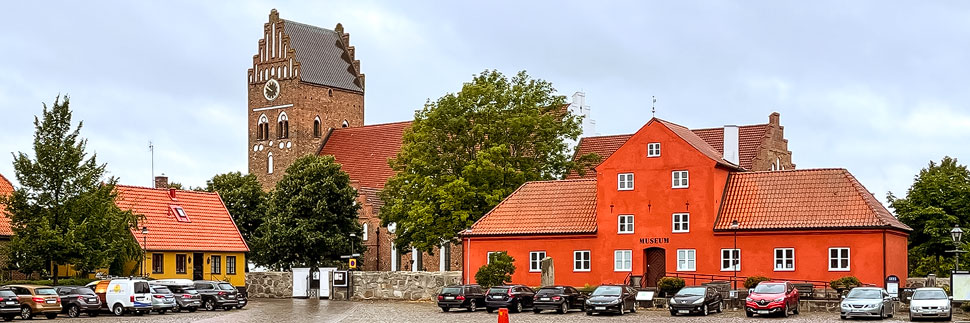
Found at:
<point>503,315</point>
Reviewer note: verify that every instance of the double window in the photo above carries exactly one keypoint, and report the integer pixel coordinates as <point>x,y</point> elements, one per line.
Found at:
<point>730,259</point>
<point>262,128</point>
<point>624,182</point>
<point>158,263</point>
<point>838,259</point>
<point>623,260</point>
<point>686,260</point>
<point>283,126</point>
<point>581,260</point>
<point>653,149</point>
<point>679,179</point>
<point>535,260</point>
<point>231,265</point>
<point>216,264</point>
<point>624,224</point>
<point>681,222</point>
<point>784,259</point>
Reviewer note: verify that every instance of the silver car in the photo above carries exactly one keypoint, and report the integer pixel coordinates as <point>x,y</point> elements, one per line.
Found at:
<point>867,302</point>
<point>162,299</point>
<point>930,302</point>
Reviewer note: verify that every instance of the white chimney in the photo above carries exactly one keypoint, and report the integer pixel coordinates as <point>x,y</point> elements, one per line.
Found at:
<point>731,150</point>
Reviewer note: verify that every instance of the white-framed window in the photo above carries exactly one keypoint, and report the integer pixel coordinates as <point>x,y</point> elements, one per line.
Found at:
<point>581,260</point>
<point>730,259</point>
<point>535,260</point>
<point>624,224</point>
<point>686,260</point>
<point>681,222</point>
<point>838,259</point>
<point>623,260</point>
<point>363,237</point>
<point>624,182</point>
<point>784,259</point>
<point>653,149</point>
<point>488,257</point>
<point>679,179</point>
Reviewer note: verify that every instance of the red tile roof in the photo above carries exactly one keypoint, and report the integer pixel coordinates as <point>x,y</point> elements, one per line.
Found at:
<point>363,152</point>
<point>801,199</point>
<point>546,207</point>
<point>211,227</point>
<point>5,189</point>
<point>694,140</point>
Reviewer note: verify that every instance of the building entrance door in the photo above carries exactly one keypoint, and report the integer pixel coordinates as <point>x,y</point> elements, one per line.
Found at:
<point>654,265</point>
<point>197,263</point>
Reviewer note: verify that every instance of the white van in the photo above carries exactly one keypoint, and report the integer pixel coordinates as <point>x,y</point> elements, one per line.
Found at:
<point>124,295</point>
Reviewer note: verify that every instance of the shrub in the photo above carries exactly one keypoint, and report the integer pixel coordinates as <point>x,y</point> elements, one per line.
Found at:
<point>845,283</point>
<point>965,307</point>
<point>670,285</point>
<point>753,281</point>
<point>587,289</point>
<point>498,272</point>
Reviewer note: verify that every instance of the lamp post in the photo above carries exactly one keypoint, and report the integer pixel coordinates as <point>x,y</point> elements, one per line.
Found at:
<point>734,268</point>
<point>144,234</point>
<point>956,234</point>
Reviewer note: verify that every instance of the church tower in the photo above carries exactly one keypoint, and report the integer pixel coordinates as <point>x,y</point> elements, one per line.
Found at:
<point>304,82</point>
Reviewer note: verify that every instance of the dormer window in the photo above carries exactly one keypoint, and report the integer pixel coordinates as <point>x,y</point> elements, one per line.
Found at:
<point>653,149</point>
<point>180,214</point>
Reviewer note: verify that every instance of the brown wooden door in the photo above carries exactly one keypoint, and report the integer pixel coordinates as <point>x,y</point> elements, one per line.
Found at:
<point>655,267</point>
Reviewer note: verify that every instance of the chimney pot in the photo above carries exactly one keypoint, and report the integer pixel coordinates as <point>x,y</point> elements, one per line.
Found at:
<point>161,181</point>
<point>171,193</point>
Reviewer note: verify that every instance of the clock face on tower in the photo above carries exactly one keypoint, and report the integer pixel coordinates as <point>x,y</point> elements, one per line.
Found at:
<point>271,90</point>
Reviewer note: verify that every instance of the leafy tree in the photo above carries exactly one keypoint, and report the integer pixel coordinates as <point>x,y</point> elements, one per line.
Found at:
<point>64,210</point>
<point>938,200</point>
<point>244,198</point>
<point>467,151</point>
<point>310,217</point>
<point>498,271</point>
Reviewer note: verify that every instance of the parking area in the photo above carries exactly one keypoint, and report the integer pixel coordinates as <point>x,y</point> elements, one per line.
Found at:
<point>301,310</point>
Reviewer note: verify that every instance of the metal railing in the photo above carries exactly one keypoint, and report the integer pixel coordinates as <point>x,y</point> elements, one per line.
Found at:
<point>695,278</point>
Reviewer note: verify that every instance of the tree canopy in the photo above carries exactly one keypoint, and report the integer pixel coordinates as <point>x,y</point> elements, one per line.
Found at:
<point>310,216</point>
<point>938,200</point>
<point>467,151</point>
<point>244,198</point>
<point>498,271</point>
<point>64,210</point>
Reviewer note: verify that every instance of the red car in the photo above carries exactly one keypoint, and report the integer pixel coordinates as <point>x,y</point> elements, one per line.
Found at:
<point>771,297</point>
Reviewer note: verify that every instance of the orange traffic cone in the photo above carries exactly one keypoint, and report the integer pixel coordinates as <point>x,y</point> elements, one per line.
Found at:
<point>503,315</point>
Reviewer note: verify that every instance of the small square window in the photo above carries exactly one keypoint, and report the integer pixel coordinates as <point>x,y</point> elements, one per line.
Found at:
<point>681,222</point>
<point>624,224</point>
<point>180,214</point>
<point>653,149</point>
<point>730,259</point>
<point>784,259</point>
<point>623,260</point>
<point>535,260</point>
<point>581,260</point>
<point>838,259</point>
<point>679,179</point>
<point>686,260</point>
<point>625,182</point>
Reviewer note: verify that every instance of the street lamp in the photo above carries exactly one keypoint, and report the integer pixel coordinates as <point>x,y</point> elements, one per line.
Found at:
<point>734,226</point>
<point>957,234</point>
<point>144,233</point>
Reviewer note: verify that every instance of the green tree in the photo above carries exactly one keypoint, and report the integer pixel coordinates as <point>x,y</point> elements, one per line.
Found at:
<point>64,210</point>
<point>498,271</point>
<point>244,198</point>
<point>311,214</point>
<point>938,200</point>
<point>467,151</point>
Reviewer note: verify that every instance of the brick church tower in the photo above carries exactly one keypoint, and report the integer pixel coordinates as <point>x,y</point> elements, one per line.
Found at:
<point>304,82</point>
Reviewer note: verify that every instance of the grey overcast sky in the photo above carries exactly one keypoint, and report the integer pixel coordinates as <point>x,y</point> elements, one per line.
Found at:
<point>879,88</point>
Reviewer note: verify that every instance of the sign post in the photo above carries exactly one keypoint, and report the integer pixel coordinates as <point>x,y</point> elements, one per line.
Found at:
<point>892,285</point>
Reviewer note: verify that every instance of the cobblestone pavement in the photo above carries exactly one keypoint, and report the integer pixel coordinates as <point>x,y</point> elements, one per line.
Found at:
<point>298,310</point>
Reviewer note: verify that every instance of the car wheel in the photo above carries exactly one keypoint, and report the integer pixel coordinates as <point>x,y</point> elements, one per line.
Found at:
<point>210,305</point>
<point>472,306</point>
<point>518,307</point>
<point>795,310</point>
<point>707,310</point>
<point>26,313</point>
<point>719,305</point>
<point>622,309</point>
<point>892,310</point>
<point>673,313</point>
<point>117,310</point>
<point>784,311</point>
<point>73,311</point>
<point>177,308</point>
<point>563,308</point>
<point>633,309</point>
<point>50,316</point>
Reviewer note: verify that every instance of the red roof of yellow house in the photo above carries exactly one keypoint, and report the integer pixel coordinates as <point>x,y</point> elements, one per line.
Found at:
<point>207,225</point>
<point>546,207</point>
<point>5,190</point>
<point>363,152</point>
<point>801,199</point>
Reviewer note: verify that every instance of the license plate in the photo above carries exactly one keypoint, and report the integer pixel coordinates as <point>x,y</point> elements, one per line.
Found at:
<point>92,300</point>
<point>683,311</point>
<point>496,297</point>
<point>11,302</point>
<point>544,299</point>
<point>450,298</point>
<point>600,308</point>
<point>232,296</point>
<point>50,301</point>
<point>762,312</point>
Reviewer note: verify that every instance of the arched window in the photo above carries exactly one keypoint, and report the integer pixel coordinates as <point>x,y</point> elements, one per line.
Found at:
<point>262,128</point>
<point>269,163</point>
<point>345,124</point>
<point>316,127</point>
<point>283,126</point>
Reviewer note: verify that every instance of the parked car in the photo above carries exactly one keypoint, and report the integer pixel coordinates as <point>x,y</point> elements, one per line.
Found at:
<point>36,299</point>
<point>867,302</point>
<point>9,304</point>
<point>78,299</point>
<point>513,297</point>
<point>124,295</point>
<point>695,300</point>
<point>216,294</point>
<point>162,299</point>
<point>559,298</point>
<point>242,296</point>
<point>186,297</point>
<point>612,298</point>
<point>469,297</point>
<point>930,302</point>
<point>772,297</point>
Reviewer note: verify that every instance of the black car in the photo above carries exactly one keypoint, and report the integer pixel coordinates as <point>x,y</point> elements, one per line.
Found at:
<point>612,298</point>
<point>559,298</point>
<point>242,297</point>
<point>695,299</point>
<point>513,297</point>
<point>186,298</point>
<point>78,299</point>
<point>9,304</point>
<point>461,296</point>
<point>216,294</point>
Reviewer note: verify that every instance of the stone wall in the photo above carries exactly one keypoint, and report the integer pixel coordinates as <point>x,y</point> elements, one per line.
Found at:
<point>398,285</point>
<point>269,284</point>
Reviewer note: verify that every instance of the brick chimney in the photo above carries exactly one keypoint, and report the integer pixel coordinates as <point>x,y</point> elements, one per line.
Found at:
<point>161,181</point>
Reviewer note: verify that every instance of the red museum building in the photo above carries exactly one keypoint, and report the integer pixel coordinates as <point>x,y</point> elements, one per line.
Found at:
<point>662,202</point>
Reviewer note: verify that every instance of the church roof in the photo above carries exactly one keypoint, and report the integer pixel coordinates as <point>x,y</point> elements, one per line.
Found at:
<point>363,152</point>
<point>323,57</point>
<point>5,189</point>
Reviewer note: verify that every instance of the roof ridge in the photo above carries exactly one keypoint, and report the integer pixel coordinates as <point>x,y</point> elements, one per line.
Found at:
<point>792,170</point>
<point>562,180</point>
<point>165,189</point>
<point>739,126</point>
<point>605,136</point>
<point>375,125</point>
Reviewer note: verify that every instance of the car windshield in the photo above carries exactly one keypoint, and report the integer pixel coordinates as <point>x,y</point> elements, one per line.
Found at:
<point>46,291</point>
<point>607,291</point>
<point>864,293</point>
<point>451,290</point>
<point>770,288</point>
<point>161,290</point>
<point>691,291</point>
<point>226,286</point>
<point>7,293</point>
<point>498,290</point>
<point>929,294</point>
<point>549,291</point>
<point>84,291</point>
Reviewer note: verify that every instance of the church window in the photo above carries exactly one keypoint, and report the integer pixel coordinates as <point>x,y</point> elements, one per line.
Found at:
<point>345,124</point>
<point>269,163</point>
<point>316,127</point>
<point>283,126</point>
<point>262,128</point>
<point>330,92</point>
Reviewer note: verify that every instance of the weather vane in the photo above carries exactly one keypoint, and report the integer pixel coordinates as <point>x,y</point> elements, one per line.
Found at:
<point>653,108</point>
